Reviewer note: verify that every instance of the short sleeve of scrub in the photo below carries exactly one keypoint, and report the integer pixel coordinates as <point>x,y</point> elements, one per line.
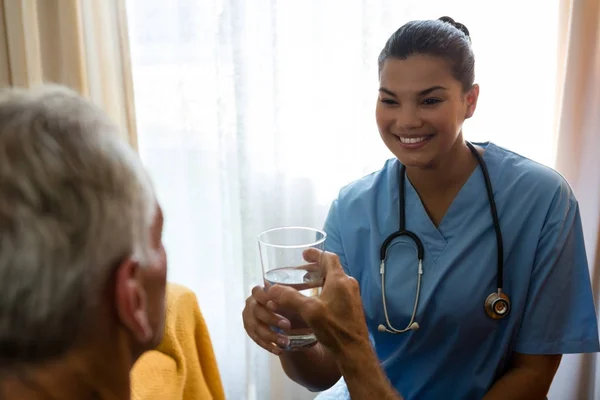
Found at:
<point>559,315</point>
<point>333,242</point>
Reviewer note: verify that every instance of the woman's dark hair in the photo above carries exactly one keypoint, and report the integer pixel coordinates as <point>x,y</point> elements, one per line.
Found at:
<point>443,38</point>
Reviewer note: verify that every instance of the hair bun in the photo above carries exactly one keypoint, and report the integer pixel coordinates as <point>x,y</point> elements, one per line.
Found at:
<point>457,25</point>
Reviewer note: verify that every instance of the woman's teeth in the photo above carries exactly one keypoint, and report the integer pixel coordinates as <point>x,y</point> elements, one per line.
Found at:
<point>411,140</point>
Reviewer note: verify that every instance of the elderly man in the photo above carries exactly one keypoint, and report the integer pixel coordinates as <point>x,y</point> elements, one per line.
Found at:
<point>82,264</point>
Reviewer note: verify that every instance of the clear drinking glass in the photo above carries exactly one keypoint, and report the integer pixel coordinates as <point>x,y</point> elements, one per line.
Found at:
<point>281,255</point>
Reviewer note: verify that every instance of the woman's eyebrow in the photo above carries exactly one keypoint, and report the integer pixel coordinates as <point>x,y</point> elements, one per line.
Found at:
<point>424,92</point>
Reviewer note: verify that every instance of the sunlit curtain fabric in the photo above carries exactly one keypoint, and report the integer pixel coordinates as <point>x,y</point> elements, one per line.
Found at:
<point>78,43</point>
<point>578,129</point>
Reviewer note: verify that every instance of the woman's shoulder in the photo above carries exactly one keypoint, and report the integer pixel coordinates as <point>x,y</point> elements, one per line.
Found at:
<point>524,176</point>
<point>368,186</point>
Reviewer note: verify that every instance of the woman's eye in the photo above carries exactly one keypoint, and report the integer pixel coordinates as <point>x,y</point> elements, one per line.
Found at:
<point>430,102</point>
<point>388,101</point>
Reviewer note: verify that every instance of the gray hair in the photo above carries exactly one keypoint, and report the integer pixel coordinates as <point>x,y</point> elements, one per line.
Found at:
<point>74,201</point>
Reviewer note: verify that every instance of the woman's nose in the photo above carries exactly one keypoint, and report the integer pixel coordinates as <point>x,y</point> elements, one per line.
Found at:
<point>407,118</point>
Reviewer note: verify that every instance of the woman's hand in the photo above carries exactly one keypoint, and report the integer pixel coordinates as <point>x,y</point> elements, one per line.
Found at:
<point>259,317</point>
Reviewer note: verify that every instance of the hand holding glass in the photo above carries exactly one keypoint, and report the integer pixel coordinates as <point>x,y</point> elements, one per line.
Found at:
<point>283,263</point>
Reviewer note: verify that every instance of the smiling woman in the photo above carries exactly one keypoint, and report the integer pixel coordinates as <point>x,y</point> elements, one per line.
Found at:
<point>484,331</point>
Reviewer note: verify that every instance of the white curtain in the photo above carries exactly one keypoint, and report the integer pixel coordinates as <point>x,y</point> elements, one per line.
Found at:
<point>252,114</point>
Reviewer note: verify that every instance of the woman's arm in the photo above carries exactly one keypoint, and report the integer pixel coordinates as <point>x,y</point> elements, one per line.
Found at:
<point>559,316</point>
<point>528,378</point>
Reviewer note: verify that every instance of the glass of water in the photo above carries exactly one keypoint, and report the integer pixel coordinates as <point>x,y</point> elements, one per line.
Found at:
<point>281,255</point>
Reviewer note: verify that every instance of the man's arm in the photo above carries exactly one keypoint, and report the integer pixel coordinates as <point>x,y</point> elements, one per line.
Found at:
<point>363,374</point>
<point>338,320</point>
<point>528,378</point>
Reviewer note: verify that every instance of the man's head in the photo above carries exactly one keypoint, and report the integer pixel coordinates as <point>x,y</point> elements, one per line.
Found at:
<point>81,255</point>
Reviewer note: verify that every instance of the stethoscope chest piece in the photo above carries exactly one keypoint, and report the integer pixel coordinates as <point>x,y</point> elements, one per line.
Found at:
<point>497,305</point>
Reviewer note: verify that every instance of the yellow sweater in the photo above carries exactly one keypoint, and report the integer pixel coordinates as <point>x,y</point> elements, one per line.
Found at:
<point>183,366</point>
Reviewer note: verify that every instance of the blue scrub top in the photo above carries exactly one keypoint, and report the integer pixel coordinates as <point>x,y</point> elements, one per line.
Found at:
<point>459,352</point>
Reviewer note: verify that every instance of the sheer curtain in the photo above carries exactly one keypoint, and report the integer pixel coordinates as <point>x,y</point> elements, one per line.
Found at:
<point>254,114</point>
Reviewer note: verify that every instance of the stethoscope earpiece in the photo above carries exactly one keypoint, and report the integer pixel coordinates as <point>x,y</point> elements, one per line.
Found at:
<point>497,305</point>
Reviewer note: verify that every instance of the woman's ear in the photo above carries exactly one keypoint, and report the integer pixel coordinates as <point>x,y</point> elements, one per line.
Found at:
<point>471,100</point>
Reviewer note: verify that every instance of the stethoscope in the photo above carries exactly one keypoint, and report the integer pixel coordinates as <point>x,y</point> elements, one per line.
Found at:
<point>497,304</point>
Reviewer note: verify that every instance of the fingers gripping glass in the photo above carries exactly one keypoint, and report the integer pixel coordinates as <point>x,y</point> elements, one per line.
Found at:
<point>282,259</point>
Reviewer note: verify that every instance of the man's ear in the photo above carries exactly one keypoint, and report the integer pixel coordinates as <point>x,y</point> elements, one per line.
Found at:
<point>471,99</point>
<point>131,301</point>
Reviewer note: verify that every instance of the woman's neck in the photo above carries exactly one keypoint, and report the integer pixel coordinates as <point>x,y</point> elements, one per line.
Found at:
<point>448,173</point>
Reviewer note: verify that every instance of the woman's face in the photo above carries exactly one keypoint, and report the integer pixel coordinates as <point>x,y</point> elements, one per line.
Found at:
<point>421,108</point>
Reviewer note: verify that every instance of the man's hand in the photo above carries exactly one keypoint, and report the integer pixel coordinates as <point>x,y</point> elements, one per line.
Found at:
<point>336,316</point>
<point>338,321</point>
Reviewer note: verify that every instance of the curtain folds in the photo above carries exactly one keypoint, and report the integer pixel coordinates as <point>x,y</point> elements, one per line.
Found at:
<point>78,43</point>
<point>578,145</point>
